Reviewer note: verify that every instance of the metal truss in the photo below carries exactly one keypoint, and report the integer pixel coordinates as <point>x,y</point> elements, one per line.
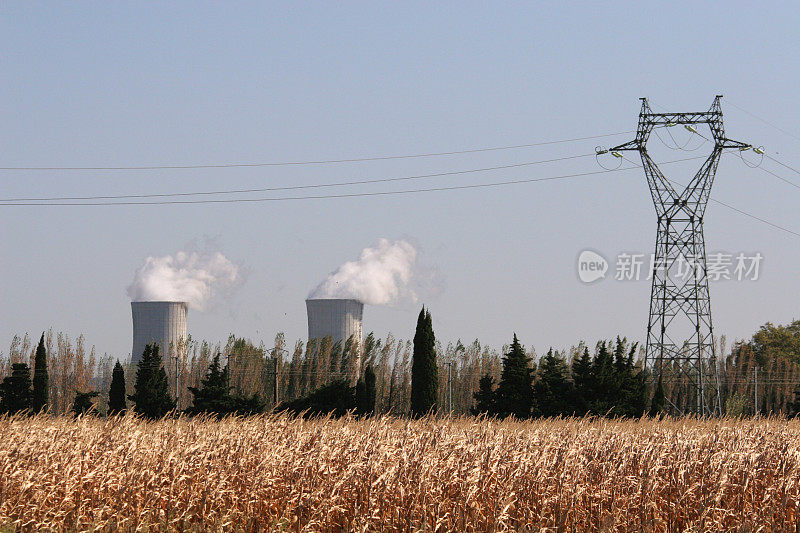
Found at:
<point>680,335</point>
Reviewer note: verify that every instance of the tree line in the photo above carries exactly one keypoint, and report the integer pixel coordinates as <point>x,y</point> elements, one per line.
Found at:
<point>392,376</point>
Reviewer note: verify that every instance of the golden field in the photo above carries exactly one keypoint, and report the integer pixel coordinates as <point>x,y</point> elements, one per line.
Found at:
<point>278,473</point>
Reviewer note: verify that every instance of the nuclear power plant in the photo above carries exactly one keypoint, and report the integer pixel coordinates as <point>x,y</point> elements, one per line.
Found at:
<point>163,323</point>
<point>338,319</point>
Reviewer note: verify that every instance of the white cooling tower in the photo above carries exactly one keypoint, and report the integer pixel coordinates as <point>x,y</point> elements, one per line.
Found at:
<point>160,322</point>
<point>335,318</point>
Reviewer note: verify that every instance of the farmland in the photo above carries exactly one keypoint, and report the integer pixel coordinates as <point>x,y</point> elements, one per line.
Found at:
<point>279,473</point>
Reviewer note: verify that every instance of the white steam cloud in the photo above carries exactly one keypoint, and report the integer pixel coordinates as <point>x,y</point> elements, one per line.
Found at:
<point>379,277</point>
<point>193,277</point>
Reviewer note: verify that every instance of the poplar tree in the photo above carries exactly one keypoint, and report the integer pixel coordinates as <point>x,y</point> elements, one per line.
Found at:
<point>41,379</point>
<point>151,397</point>
<point>424,372</point>
<point>116,393</point>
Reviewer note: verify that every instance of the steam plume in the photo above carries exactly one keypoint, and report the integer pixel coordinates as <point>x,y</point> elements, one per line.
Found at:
<point>378,277</point>
<point>192,277</point>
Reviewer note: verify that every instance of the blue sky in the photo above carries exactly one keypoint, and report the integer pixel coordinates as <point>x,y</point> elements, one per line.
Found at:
<point>115,84</point>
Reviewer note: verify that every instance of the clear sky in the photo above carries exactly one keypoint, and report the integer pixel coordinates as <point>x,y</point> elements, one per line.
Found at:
<point>131,84</point>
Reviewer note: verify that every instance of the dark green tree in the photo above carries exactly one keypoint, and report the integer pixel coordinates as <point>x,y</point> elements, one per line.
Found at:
<point>794,405</point>
<point>634,386</point>
<point>213,395</point>
<point>552,392</point>
<point>605,382</point>
<point>83,403</point>
<point>583,381</point>
<point>15,390</point>
<point>424,372</point>
<point>116,393</point>
<point>41,380</point>
<point>361,397</point>
<point>151,397</point>
<point>621,361</point>
<point>484,398</point>
<point>365,393</point>
<point>336,398</point>
<point>249,405</point>
<point>659,401</point>
<point>514,394</point>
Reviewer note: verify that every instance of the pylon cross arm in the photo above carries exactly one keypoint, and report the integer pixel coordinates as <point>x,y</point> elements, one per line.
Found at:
<point>728,143</point>
<point>649,120</point>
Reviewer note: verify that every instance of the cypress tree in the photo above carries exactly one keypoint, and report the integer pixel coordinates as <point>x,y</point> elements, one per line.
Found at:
<point>552,392</point>
<point>424,372</point>
<point>360,394</point>
<point>151,397</point>
<point>605,381</point>
<point>15,390</point>
<point>214,395</point>
<point>582,379</point>
<point>629,393</point>
<point>636,387</point>
<point>365,393</point>
<point>41,380</point>
<point>83,403</point>
<point>514,394</point>
<point>484,398</point>
<point>337,398</point>
<point>659,399</point>
<point>116,393</point>
<point>621,366</point>
<point>369,382</point>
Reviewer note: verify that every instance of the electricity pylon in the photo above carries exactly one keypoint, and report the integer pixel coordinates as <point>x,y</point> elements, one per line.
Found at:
<point>680,335</point>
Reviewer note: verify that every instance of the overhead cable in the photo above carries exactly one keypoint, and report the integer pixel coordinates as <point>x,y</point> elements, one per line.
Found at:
<point>315,162</point>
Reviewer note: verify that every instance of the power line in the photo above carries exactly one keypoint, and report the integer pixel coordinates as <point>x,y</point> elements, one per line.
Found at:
<point>754,217</point>
<point>782,164</point>
<point>294,187</point>
<point>773,159</point>
<point>324,161</point>
<point>749,215</point>
<point>321,196</point>
<point>768,123</point>
<point>329,196</point>
<point>759,166</point>
<point>790,182</point>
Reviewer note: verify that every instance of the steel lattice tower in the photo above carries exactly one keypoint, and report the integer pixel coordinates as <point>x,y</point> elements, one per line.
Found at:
<point>679,331</point>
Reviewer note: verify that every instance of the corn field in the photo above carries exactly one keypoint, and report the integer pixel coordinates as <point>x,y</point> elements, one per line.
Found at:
<point>277,473</point>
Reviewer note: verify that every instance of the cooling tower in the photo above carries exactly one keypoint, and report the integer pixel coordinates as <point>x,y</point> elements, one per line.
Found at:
<point>160,322</point>
<point>337,319</point>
